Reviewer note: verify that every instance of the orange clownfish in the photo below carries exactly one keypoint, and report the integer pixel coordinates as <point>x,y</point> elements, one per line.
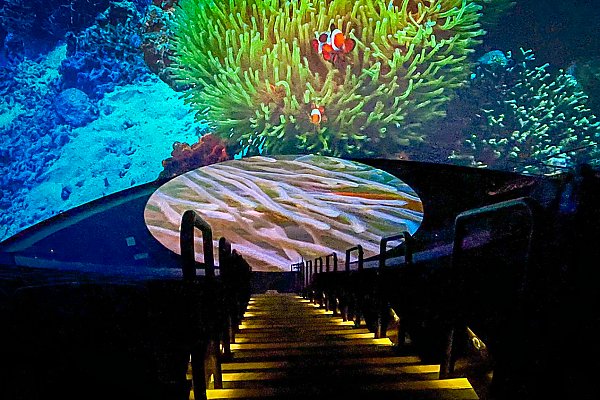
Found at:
<point>333,44</point>
<point>317,115</point>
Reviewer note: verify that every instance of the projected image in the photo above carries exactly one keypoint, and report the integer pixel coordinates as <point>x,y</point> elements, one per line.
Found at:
<point>277,210</point>
<point>156,88</point>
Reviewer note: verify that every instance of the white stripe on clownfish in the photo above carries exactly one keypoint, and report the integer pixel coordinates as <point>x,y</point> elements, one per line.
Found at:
<point>332,44</point>
<point>317,114</point>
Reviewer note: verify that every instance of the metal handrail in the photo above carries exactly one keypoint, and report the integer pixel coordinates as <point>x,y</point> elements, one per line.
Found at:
<point>296,267</point>
<point>189,221</point>
<point>360,257</point>
<point>525,203</point>
<point>461,220</point>
<point>408,247</point>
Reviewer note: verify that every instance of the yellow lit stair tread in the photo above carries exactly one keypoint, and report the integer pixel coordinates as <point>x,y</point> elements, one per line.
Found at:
<point>282,334</point>
<point>305,324</point>
<point>259,339</point>
<point>427,385</point>
<point>341,362</point>
<point>292,345</point>
<point>335,331</point>
<point>258,376</point>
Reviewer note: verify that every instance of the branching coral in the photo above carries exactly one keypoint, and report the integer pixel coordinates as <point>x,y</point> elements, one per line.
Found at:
<point>493,10</point>
<point>529,118</point>
<point>254,75</point>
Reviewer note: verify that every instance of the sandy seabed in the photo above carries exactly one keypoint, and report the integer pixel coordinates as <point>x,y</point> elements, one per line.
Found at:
<point>124,147</point>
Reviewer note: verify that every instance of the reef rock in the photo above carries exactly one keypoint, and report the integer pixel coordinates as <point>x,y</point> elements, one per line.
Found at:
<point>75,107</point>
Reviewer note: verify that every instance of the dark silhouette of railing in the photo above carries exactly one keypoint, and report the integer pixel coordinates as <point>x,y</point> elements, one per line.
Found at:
<point>511,279</point>
<point>371,292</point>
<point>408,247</point>
<point>360,259</point>
<point>189,221</point>
<point>332,256</point>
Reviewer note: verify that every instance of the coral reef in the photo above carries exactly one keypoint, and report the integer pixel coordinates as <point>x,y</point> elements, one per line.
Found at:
<point>587,72</point>
<point>493,11</point>
<point>208,150</point>
<point>30,130</point>
<point>254,75</point>
<point>49,98</point>
<point>155,43</point>
<point>527,119</point>
<point>67,166</point>
<point>39,23</point>
<point>106,54</point>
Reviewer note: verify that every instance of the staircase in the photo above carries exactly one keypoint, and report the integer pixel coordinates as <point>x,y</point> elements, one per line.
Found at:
<point>289,348</point>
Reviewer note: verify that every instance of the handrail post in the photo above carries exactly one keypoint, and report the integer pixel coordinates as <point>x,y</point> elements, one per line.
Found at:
<point>231,306</point>
<point>306,274</point>
<point>360,257</point>
<point>327,263</point>
<point>319,289</point>
<point>224,254</point>
<point>303,266</point>
<point>189,221</point>
<point>319,261</point>
<point>408,248</point>
<point>355,307</point>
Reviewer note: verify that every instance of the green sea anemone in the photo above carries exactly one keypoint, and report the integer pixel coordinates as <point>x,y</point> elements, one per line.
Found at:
<point>252,72</point>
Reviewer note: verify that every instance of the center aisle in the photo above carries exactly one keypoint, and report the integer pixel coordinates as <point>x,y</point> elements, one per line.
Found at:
<point>289,348</point>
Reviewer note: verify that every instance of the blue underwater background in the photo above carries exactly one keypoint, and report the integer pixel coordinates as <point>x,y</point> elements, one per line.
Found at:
<point>88,107</point>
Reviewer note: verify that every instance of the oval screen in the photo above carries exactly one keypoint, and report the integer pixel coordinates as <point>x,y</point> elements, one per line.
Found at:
<point>276,211</point>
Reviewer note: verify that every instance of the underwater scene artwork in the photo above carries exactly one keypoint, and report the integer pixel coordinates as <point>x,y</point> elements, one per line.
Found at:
<point>98,96</point>
<point>278,210</point>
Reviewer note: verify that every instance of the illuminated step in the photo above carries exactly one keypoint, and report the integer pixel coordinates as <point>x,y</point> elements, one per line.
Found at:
<point>283,306</point>
<point>285,345</point>
<point>284,312</point>
<point>292,332</point>
<point>287,314</point>
<point>287,319</point>
<point>358,361</point>
<point>296,316</point>
<point>450,389</point>
<point>323,351</point>
<point>294,324</point>
<point>338,330</point>
<point>249,338</point>
<point>282,301</point>
<point>306,324</point>
<point>406,371</point>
